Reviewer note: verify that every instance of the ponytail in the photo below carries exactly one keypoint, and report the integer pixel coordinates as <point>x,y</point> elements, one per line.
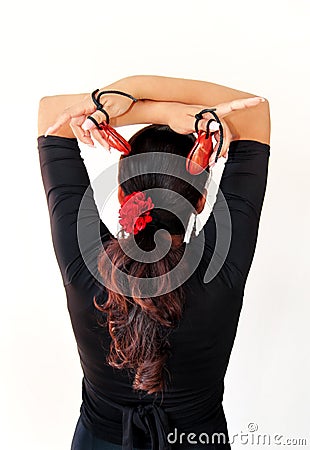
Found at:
<point>139,325</point>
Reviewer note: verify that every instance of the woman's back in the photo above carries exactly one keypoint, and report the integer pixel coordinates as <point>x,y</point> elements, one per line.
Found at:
<point>201,344</point>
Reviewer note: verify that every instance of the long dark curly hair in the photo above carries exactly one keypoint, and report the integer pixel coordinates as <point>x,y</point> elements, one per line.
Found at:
<point>140,326</point>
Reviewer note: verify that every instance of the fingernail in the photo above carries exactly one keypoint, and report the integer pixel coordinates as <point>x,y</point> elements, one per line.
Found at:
<point>106,146</point>
<point>262,99</point>
<point>212,162</point>
<point>47,131</point>
<point>214,126</point>
<point>88,125</point>
<point>91,145</point>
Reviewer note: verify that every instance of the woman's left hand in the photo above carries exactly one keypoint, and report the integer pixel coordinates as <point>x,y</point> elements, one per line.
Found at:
<point>181,118</point>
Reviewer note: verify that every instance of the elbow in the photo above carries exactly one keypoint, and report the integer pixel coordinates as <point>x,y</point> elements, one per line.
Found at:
<point>263,122</point>
<point>266,104</point>
<point>264,108</point>
<point>43,107</point>
<point>44,101</point>
<point>44,114</point>
<point>43,104</point>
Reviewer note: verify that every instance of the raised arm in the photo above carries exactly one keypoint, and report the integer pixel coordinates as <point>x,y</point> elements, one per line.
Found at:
<point>70,199</point>
<point>181,90</point>
<point>51,107</point>
<point>245,124</point>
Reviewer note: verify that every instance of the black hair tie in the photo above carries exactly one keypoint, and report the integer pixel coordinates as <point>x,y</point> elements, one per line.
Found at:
<point>94,121</point>
<point>99,105</point>
<point>199,116</point>
<point>124,94</point>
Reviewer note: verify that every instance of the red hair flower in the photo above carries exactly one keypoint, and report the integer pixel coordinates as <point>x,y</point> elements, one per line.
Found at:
<point>134,212</point>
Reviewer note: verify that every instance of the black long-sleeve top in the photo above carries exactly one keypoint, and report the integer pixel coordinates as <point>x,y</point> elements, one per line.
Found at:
<point>200,346</point>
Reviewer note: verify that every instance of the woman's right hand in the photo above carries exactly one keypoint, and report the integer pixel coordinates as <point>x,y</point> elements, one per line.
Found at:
<point>84,129</point>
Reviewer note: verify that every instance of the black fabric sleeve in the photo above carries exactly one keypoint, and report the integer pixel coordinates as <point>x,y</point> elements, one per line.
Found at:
<point>237,211</point>
<point>66,182</point>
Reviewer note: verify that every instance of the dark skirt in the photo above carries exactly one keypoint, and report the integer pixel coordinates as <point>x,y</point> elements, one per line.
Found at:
<point>83,439</point>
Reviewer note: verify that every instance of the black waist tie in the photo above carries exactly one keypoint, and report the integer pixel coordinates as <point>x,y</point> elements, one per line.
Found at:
<point>140,415</point>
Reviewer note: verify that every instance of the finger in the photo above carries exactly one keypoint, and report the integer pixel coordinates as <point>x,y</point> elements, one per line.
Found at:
<point>69,113</point>
<point>82,135</point>
<point>223,150</point>
<point>90,127</point>
<point>223,109</point>
<point>214,126</point>
<point>98,116</point>
<point>98,137</point>
<point>227,136</point>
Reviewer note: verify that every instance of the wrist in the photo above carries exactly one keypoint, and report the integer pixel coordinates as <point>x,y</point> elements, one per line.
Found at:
<point>160,111</point>
<point>129,85</point>
<point>144,112</point>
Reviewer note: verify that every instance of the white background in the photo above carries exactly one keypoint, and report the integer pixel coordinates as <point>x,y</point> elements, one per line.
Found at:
<point>71,47</point>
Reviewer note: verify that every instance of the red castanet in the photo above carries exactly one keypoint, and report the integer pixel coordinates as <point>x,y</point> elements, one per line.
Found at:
<point>114,139</point>
<point>198,158</point>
